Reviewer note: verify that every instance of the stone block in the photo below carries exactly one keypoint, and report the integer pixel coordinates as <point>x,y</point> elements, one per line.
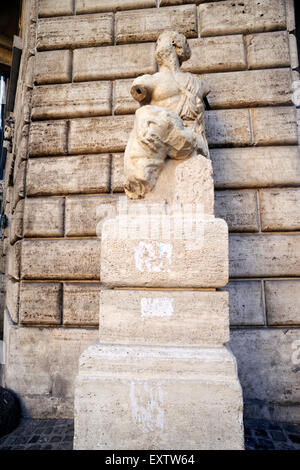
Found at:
<point>245,303</point>
<point>280,209</point>
<point>18,191</point>
<point>40,303</point>
<point>249,88</point>
<point>228,90</point>
<point>264,255</point>
<point>92,6</point>
<point>228,127</point>
<point>61,259</point>
<point>70,175</point>
<point>48,138</point>
<point>175,255</point>
<point>12,298</point>
<point>117,173</point>
<point>290,15</point>
<point>267,364</point>
<point>146,25</point>
<point>113,62</point>
<point>16,226</point>
<point>85,215</point>
<point>53,67</point>
<point>13,258</point>
<point>239,209</point>
<point>103,134</point>
<point>123,101</point>
<point>71,100</point>
<point>44,217</point>
<point>55,8</point>
<point>33,369</point>
<point>249,16</point>
<point>282,302</point>
<point>216,54</point>
<point>281,127</point>
<point>294,60</point>
<point>81,304</point>
<point>162,3</point>
<point>149,398</point>
<point>75,31</point>
<point>268,50</point>
<point>255,167</point>
<point>156,318</point>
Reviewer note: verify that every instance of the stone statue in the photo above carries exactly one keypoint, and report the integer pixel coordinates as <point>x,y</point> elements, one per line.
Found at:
<point>170,122</point>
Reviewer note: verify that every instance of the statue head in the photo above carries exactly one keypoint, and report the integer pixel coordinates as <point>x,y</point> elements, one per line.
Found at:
<point>170,44</point>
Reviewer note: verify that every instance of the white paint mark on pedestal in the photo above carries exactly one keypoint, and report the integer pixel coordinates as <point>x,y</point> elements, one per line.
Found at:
<point>153,257</point>
<point>147,405</point>
<point>159,307</point>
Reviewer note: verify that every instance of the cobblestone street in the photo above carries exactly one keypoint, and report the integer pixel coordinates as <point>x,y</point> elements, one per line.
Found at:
<point>58,435</point>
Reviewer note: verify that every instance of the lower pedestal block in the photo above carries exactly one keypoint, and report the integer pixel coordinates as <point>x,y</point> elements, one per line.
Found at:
<point>137,397</point>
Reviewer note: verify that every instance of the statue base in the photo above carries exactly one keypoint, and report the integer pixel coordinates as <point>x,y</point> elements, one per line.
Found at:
<point>141,397</point>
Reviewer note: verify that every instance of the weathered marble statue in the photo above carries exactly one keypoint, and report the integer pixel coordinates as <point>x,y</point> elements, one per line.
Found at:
<point>170,122</point>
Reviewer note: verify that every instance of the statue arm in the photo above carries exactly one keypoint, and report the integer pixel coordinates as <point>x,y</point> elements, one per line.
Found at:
<point>142,89</point>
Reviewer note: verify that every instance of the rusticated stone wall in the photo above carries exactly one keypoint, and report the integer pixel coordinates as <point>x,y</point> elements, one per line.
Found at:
<point>80,64</point>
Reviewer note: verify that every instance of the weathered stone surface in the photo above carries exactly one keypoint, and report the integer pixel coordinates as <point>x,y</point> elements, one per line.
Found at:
<point>85,215</point>
<point>44,217</point>
<point>239,209</point>
<point>293,51</point>
<point>266,255</point>
<point>245,303</point>
<point>116,381</point>
<point>16,226</point>
<point>266,364</point>
<point>53,67</point>
<point>75,31</point>
<point>141,25</point>
<point>248,16</point>
<point>268,50</point>
<point>290,15</point>
<point>12,298</point>
<point>254,167</point>
<point>123,101</point>
<point>217,54</point>
<point>249,88</point>
<point>282,302</point>
<point>55,7</point>
<point>274,126</point>
<point>81,303</point>
<point>228,127</point>
<point>117,173</point>
<point>13,260</point>
<point>228,90</point>
<point>103,134</point>
<point>48,138</point>
<point>155,318</point>
<point>280,209</point>
<point>61,259</point>
<point>71,100</point>
<point>40,303</point>
<point>195,258</point>
<point>19,185</point>
<point>92,6</point>
<point>70,175</point>
<point>33,367</point>
<point>104,62</point>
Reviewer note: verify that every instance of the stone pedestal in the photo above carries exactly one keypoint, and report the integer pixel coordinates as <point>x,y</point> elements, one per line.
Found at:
<point>160,376</point>
<point>140,397</point>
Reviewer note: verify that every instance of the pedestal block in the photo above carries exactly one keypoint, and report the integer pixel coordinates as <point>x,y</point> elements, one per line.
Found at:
<point>164,251</point>
<point>164,317</point>
<point>139,397</point>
